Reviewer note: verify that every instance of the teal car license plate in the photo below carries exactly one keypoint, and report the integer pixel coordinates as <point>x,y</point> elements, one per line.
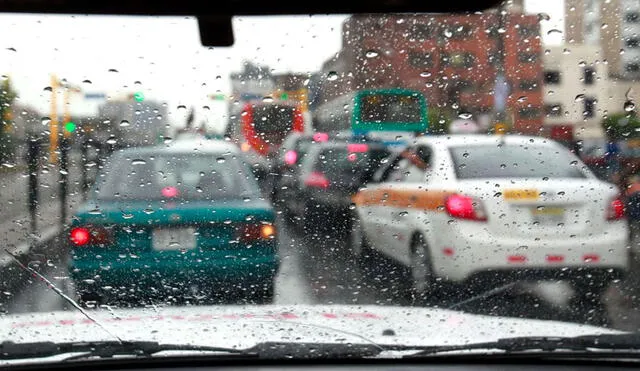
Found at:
<point>173,239</point>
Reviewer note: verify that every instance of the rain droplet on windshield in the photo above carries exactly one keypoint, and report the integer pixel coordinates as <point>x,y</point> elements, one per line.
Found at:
<point>554,31</point>
<point>579,98</point>
<point>138,162</point>
<point>332,76</point>
<point>371,54</point>
<point>124,123</point>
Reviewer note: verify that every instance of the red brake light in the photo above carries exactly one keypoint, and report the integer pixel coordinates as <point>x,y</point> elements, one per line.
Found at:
<point>616,210</point>
<point>465,207</point>
<point>317,179</point>
<point>290,157</point>
<point>320,137</point>
<point>357,147</point>
<point>80,236</point>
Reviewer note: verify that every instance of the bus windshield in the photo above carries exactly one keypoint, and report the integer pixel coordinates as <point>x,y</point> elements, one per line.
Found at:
<point>390,108</point>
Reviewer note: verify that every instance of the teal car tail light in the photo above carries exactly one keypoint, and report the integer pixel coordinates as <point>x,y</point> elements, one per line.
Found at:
<point>90,235</point>
<point>256,232</point>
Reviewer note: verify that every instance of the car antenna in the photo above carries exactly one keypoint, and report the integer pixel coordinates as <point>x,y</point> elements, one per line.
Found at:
<point>63,295</point>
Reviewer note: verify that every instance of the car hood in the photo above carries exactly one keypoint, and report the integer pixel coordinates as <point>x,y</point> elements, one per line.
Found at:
<point>245,326</point>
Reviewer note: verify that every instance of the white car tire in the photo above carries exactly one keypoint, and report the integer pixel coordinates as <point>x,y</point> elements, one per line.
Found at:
<point>423,283</point>
<point>358,246</point>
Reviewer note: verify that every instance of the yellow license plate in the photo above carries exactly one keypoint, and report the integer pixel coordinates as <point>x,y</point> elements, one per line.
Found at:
<point>520,194</point>
<point>548,211</point>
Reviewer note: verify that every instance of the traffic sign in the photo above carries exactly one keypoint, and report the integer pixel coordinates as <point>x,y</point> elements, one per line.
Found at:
<point>95,96</point>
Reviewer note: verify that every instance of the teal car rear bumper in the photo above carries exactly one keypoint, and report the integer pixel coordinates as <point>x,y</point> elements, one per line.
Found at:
<point>212,273</point>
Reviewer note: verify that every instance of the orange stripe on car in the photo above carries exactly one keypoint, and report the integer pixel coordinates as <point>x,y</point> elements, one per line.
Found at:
<point>406,198</point>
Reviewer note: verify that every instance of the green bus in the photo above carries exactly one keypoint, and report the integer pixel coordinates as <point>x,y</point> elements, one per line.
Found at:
<point>374,110</point>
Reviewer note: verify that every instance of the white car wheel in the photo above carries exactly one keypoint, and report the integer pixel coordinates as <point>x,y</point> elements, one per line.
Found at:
<point>422,277</point>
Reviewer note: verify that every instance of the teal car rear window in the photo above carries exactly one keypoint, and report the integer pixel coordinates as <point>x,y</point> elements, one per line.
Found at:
<point>176,176</point>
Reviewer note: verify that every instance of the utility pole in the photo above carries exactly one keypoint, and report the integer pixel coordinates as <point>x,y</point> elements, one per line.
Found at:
<point>53,123</point>
<point>501,91</point>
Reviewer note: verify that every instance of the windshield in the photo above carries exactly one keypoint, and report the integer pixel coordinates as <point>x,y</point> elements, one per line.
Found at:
<point>390,108</point>
<point>511,161</point>
<point>421,179</point>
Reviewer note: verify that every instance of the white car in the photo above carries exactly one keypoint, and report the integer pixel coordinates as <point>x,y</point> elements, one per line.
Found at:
<point>478,208</point>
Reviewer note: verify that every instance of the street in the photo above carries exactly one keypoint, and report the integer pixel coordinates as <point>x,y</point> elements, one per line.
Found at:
<point>317,270</point>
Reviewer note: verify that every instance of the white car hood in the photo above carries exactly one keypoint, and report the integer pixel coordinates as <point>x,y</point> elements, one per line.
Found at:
<point>245,326</point>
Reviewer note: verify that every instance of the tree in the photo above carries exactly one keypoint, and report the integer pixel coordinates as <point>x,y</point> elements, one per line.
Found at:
<point>7,142</point>
<point>439,120</point>
<point>619,126</point>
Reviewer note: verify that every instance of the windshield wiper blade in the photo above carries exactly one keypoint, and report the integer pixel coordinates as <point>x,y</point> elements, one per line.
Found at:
<point>103,349</point>
<point>626,342</point>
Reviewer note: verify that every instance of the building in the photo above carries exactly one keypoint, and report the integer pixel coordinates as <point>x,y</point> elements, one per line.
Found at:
<point>576,85</point>
<point>292,86</point>
<point>613,25</point>
<point>254,82</point>
<point>453,59</point>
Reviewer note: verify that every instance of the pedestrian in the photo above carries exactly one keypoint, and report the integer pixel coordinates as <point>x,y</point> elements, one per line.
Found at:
<point>612,160</point>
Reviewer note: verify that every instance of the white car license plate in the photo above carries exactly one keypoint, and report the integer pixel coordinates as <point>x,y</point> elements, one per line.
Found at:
<point>174,239</point>
<point>548,215</point>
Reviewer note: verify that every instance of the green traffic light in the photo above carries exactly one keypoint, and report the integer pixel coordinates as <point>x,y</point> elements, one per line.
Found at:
<point>70,127</point>
<point>139,97</point>
<point>284,96</point>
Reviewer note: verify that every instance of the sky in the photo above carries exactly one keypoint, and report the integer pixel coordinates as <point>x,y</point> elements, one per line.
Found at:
<point>163,57</point>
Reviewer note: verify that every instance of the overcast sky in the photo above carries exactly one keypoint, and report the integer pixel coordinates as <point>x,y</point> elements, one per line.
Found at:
<point>164,55</point>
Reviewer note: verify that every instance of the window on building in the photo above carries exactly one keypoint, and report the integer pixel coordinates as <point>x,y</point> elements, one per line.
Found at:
<point>551,77</point>
<point>527,57</point>
<point>492,31</point>
<point>494,58</point>
<point>464,85</point>
<point>589,75</point>
<point>458,59</point>
<point>528,85</point>
<point>460,31</point>
<point>529,112</point>
<point>632,67</point>
<point>632,42</point>
<point>420,59</point>
<point>553,110</point>
<point>632,17</point>
<point>589,107</point>
<point>422,31</point>
<point>527,31</point>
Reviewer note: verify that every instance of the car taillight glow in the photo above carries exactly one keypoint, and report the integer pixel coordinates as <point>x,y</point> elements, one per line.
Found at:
<point>90,235</point>
<point>616,210</point>
<point>357,147</point>
<point>320,137</point>
<point>317,179</point>
<point>465,207</point>
<point>256,232</point>
<point>290,157</point>
<point>80,236</point>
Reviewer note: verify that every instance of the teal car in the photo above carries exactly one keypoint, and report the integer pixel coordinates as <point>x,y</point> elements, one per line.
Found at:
<point>180,221</point>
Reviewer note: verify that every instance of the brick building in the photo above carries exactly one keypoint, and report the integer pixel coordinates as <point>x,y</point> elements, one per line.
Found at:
<point>452,59</point>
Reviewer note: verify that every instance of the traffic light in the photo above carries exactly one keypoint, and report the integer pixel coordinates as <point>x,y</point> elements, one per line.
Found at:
<point>138,96</point>
<point>70,127</point>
